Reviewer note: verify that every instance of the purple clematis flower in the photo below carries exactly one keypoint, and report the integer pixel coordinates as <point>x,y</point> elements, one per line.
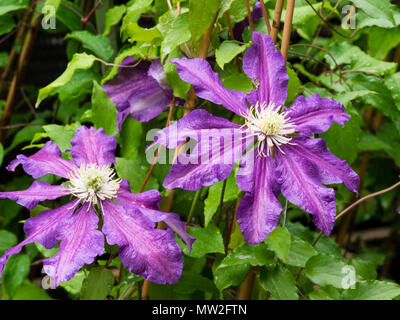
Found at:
<point>128,219</point>
<point>286,160</point>
<point>141,92</point>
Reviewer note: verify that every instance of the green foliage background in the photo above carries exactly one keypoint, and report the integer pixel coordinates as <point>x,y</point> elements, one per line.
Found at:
<point>358,69</point>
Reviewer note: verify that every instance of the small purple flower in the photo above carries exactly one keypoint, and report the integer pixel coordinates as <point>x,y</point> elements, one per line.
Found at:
<point>141,92</point>
<point>286,160</point>
<point>128,219</point>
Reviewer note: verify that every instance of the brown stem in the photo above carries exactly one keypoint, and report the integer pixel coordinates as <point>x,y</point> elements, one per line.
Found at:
<point>246,289</point>
<point>171,108</point>
<point>329,26</point>
<point>18,40</point>
<point>276,22</point>
<point>249,16</point>
<point>349,208</point>
<point>232,37</point>
<point>265,14</point>
<point>18,75</point>
<point>287,28</point>
<point>372,195</point>
<point>29,103</point>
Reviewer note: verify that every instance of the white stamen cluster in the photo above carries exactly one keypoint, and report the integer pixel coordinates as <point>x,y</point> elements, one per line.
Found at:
<point>93,183</point>
<point>269,126</point>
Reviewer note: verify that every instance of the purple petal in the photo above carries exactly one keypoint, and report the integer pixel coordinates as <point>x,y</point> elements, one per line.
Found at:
<point>264,64</point>
<point>80,243</point>
<point>219,146</point>
<point>259,210</point>
<point>43,229</point>
<point>331,169</point>
<point>147,203</point>
<point>194,125</point>
<point>146,251</point>
<point>141,92</point>
<point>38,191</point>
<point>46,160</point>
<point>93,146</point>
<point>315,114</point>
<point>174,223</point>
<point>300,184</point>
<point>207,84</point>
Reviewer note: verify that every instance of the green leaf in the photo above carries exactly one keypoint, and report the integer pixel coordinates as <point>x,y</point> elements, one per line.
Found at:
<point>328,245</point>
<point>178,33</point>
<point>324,269</point>
<point>179,86</point>
<point>74,285</point>
<point>303,13</point>
<point>280,283</point>
<point>98,44</point>
<point>97,285</point>
<point>104,111</point>
<point>346,53</point>
<point>393,84</point>
<point>135,51</point>
<point>24,135</point>
<point>225,277</point>
<point>68,16</point>
<point>29,291</point>
<point>237,9</point>
<point>254,255</point>
<point>300,252</point>
<point>236,238</point>
<point>379,13</point>
<point>113,17</point>
<point>237,81</point>
<point>47,253</point>
<point>135,171</point>
<point>79,61</point>
<point>133,13</point>
<point>12,5</point>
<point>61,135</point>
<point>365,270</point>
<point>373,290</point>
<point>130,138</point>
<point>79,86</point>
<point>136,33</point>
<point>337,137</point>
<point>293,85</point>
<point>191,282</point>
<point>7,240</point>
<point>201,13</point>
<point>15,271</point>
<point>7,23</point>
<point>381,41</point>
<point>325,293</point>
<point>279,242</point>
<point>227,51</point>
<point>212,202</point>
<point>208,240</point>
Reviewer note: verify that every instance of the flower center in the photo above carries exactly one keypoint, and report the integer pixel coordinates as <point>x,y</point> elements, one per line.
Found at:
<point>92,183</point>
<point>269,126</point>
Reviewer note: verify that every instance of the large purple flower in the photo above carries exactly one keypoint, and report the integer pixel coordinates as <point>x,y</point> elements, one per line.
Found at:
<point>141,92</point>
<point>128,219</point>
<point>286,159</point>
